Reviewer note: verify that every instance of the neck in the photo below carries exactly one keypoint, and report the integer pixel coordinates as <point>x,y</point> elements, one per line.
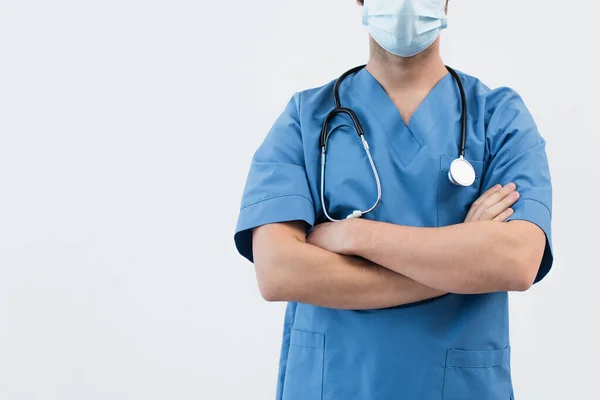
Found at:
<point>406,73</point>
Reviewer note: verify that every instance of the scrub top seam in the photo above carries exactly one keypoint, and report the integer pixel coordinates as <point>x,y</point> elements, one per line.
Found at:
<point>276,197</point>
<point>298,103</point>
<point>299,114</point>
<point>306,347</point>
<point>542,141</point>
<point>469,367</point>
<point>524,151</point>
<point>537,201</point>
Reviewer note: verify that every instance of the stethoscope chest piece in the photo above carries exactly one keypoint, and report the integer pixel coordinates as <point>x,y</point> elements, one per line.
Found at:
<point>461,172</point>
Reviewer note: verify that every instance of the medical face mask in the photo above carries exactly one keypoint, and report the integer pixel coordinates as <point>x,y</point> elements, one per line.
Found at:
<point>405,27</point>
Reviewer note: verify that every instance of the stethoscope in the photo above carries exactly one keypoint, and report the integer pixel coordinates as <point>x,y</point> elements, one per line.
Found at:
<point>461,171</point>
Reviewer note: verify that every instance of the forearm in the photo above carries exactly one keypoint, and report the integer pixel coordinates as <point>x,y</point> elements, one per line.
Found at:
<point>477,257</point>
<point>296,271</point>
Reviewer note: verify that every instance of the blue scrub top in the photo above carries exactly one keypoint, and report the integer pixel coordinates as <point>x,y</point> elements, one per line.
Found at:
<point>452,347</point>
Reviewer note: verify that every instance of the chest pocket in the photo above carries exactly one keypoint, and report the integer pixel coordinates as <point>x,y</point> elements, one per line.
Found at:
<point>454,201</point>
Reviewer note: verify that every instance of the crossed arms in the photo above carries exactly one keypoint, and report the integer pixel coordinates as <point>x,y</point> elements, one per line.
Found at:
<point>361,264</point>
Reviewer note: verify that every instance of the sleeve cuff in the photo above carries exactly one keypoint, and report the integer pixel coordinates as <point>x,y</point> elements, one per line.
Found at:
<point>277,209</point>
<point>535,212</point>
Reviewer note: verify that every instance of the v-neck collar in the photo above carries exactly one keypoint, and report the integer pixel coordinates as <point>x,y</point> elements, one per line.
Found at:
<point>424,118</point>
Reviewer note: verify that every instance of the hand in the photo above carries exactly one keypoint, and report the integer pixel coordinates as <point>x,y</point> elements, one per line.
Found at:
<point>494,205</point>
<point>332,236</point>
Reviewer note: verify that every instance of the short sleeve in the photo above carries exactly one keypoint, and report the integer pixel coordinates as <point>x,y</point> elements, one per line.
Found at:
<point>277,189</point>
<point>517,153</point>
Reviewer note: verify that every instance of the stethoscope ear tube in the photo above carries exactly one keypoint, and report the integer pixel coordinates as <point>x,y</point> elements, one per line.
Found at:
<point>338,109</point>
<point>338,83</point>
<point>463,101</point>
<point>461,171</point>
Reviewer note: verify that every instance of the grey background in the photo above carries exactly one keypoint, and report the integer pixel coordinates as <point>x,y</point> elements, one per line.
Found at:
<point>126,132</point>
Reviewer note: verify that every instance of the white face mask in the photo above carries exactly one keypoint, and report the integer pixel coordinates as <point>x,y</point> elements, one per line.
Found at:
<point>405,27</point>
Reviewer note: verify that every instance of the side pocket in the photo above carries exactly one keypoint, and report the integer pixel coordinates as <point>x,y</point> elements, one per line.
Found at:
<point>304,371</point>
<point>477,375</point>
<point>454,201</point>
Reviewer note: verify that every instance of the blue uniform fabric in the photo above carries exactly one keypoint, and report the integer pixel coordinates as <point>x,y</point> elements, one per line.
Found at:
<point>449,348</point>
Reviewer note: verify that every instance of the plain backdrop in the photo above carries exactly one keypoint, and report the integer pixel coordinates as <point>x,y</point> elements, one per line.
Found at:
<point>126,133</point>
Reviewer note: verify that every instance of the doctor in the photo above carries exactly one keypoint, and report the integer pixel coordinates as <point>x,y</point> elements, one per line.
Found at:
<point>409,298</point>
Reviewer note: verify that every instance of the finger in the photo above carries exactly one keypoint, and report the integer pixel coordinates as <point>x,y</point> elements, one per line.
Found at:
<point>493,199</point>
<point>496,209</point>
<point>504,215</point>
<point>480,200</point>
<point>499,195</point>
<point>501,206</point>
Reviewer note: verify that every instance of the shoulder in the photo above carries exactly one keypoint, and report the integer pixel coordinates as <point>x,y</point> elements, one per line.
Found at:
<point>286,133</point>
<point>315,98</point>
<point>492,101</point>
<point>495,107</point>
<point>509,125</point>
<point>319,91</point>
<point>502,114</point>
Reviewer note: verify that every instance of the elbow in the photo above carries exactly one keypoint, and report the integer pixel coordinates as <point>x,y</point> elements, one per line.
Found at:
<point>526,272</point>
<point>523,282</point>
<point>269,283</point>
<point>273,249</point>
<point>526,249</point>
<point>269,292</point>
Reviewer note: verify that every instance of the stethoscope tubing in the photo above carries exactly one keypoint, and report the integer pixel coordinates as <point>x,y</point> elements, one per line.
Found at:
<point>356,125</point>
